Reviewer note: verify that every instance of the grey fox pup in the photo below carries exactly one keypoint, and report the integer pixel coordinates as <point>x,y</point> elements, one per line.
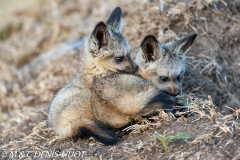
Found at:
<point>106,52</point>
<point>119,98</point>
<point>164,64</point>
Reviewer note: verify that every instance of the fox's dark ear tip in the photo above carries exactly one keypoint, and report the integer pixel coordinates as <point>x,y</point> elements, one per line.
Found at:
<point>190,38</point>
<point>101,23</point>
<point>148,37</point>
<point>194,35</point>
<point>118,9</point>
<point>99,26</point>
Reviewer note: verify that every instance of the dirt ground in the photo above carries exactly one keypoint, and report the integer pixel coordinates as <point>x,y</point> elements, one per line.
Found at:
<point>39,53</point>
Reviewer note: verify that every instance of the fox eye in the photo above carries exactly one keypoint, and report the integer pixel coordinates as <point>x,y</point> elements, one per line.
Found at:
<point>119,59</point>
<point>179,78</point>
<point>163,79</point>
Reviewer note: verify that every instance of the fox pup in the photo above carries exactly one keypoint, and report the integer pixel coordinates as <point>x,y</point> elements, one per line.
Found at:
<point>120,97</point>
<point>106,51</point>
<point>164,64</point>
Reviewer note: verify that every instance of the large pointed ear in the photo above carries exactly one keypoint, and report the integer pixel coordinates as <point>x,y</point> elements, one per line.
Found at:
<point>114,22</point>
<point>182,46</point>
<point>150,49</point>
<point>99,37</point>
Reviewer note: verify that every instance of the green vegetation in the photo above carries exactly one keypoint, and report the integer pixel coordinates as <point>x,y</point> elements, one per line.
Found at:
<point>166,140</point>
<point>188,103</point>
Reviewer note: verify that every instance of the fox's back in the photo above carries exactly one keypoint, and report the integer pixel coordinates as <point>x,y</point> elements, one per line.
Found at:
<point>74,96</point>
<point>124,91</point>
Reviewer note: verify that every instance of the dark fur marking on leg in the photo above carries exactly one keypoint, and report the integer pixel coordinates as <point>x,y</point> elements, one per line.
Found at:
<point>100,133</point>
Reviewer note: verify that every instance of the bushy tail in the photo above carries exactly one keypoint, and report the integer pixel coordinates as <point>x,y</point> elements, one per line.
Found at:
<point>98,131</point>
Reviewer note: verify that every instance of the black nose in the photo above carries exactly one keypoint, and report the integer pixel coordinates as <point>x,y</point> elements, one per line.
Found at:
<point>136,67</point>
